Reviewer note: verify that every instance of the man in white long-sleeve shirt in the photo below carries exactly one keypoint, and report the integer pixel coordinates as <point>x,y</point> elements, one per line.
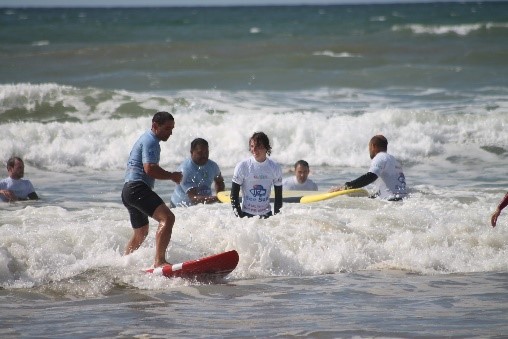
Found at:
<point>384,166</point>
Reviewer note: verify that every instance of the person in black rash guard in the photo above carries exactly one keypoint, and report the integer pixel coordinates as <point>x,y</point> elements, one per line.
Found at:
<point>497,212</point>
<point>255,176</point>
<point>384,166</point>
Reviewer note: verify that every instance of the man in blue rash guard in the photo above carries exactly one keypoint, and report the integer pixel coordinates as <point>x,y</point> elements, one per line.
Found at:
<point>138,195</point>
<point>199,172</point>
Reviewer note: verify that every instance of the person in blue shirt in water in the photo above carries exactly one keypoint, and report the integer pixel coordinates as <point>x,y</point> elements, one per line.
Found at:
<point>138,195</point>
<point>199,173</point>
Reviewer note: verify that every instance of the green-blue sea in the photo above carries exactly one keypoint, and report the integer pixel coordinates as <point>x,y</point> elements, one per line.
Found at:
<point>78,86</point>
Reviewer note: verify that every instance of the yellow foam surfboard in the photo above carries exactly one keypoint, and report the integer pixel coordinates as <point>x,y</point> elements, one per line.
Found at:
<point>354,192</point>
<point>304,197</point>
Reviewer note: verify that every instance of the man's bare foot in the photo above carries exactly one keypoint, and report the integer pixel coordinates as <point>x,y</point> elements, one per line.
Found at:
<point>162,263</point>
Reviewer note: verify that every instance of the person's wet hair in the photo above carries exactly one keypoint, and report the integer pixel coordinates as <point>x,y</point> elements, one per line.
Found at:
<point>380,141</point>
<point>301,163</point>
<point>261,138</point>
<point>162,117</point>
<point>197,142</point>
<point>12,161</point>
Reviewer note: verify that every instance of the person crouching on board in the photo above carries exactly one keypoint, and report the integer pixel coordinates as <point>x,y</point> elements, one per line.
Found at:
<point>384,166</point>
<point>198,174</point>
<point>300,181</point>
<point>138,195</point>
<point>14,188</point>
<point>255,176</point>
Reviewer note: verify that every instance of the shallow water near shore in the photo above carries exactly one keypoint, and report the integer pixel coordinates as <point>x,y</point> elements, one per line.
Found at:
<point>429,266</point>
<point>363,304</point>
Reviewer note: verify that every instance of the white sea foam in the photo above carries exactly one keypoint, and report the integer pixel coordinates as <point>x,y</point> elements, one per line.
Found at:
<point>336,140</point>
<point>462,29</point>
<point>325,127</point>
<point>80,227</point>
<point>40,43</point>
<point>430,234</point>
<point>453,147</point>
<point>336,55</point>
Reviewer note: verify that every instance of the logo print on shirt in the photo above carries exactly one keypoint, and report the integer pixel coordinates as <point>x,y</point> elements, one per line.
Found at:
<point>258,191</point>
<point>261,176</point>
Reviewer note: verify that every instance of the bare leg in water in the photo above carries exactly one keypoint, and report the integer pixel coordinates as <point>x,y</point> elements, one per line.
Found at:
<point>166,220</point>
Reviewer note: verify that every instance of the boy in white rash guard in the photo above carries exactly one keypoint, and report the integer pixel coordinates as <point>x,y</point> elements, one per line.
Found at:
<point>392,185</point>
<point>13,187</point>
<point>300,181</point>
<point>255,176</point>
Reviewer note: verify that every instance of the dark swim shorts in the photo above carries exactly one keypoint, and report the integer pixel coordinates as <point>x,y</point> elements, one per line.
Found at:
<point>140,201</point>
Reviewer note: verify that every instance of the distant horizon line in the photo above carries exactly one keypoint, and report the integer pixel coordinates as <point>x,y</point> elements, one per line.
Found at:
<point>244,4</point>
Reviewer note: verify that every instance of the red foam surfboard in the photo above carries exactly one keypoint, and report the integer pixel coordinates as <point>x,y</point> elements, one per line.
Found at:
<point>213,267</point>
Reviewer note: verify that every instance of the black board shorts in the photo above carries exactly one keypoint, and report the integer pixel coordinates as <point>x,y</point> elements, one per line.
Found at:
<point>141,202</point>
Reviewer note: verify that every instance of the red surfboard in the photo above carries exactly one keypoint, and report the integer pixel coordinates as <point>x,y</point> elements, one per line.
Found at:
<point>214,267</point>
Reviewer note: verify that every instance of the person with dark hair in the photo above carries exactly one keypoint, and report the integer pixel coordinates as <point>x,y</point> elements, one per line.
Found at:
<point>255,176</point>
<point>384,166</point>
<point>497,212</point>
<point>13,187</point>
<point>300,181</point>
<point>138,195</point>
<point>198,174</point>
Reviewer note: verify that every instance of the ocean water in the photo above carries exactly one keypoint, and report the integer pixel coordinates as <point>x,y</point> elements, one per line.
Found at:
<point>79,86</point>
